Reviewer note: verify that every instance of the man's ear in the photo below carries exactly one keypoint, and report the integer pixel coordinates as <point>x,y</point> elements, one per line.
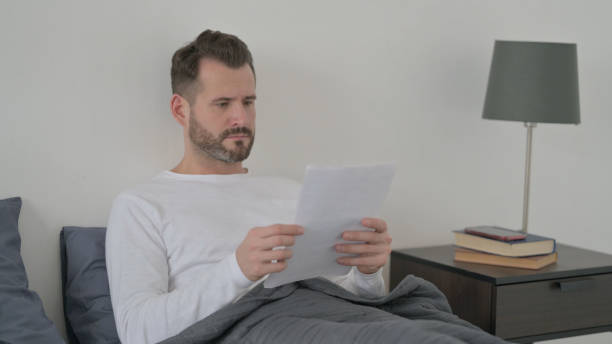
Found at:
<point>179,107</point>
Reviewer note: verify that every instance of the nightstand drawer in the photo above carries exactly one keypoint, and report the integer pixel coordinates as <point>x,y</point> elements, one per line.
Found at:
<point>526,309</point>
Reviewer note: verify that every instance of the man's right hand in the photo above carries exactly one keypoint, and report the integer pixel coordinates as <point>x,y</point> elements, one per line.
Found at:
<point>255,254</point>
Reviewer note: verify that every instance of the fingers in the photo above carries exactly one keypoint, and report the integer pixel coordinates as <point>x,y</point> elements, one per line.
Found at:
<point>274,267</point>
<point>371,255</point>
<point>367,236</point>
<point>280,229</point>
<point>374,260</point>
<point>265,264</point>
<point>256,255</point>
<point>379,235</point>
<point>377,224</point>
<point>266,268</point>
<point>278,235</point>
<point>276,241</point>
<point>361,248</point>
<point>277,255</point>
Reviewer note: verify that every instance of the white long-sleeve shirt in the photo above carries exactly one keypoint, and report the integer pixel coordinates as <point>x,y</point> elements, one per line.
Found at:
<point>170,248</point>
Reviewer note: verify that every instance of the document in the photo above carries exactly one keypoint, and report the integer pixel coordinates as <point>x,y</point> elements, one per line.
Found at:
<point>332,200</point>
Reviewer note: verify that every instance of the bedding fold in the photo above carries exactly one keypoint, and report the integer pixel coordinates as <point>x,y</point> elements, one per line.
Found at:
<point>320,311</point>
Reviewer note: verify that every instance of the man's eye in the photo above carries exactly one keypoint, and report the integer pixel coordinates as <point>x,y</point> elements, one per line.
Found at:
<point>248,102</point>
<point>222,105</point>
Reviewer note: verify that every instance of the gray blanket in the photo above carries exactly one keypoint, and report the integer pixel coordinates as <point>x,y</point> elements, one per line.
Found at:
<point>319,311</point>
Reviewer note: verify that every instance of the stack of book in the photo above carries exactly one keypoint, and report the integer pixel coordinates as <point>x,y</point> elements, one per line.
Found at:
<point>504,247</point>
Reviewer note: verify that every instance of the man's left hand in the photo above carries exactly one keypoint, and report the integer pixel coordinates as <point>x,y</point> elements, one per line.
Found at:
<point>373,253</point>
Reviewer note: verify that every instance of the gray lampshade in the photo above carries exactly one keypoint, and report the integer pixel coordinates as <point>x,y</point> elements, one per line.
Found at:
<point>533,82</point>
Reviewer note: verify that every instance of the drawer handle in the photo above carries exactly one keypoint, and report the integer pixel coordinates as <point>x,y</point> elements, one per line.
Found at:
<point>575,285</point>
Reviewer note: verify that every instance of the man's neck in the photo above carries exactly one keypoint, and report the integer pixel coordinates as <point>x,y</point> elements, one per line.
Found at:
<point>189,165</point>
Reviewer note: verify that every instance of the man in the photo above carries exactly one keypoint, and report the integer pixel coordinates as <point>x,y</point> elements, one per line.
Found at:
<point>197,237</point>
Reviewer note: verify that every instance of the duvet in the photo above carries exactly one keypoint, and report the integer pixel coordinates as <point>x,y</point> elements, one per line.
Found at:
<point>320,311</point>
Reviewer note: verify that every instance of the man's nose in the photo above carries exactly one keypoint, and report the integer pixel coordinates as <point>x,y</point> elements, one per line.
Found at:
<point>238,115</point>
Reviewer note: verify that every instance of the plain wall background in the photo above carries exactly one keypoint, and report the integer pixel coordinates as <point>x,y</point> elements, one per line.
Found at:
<point>85,88</point>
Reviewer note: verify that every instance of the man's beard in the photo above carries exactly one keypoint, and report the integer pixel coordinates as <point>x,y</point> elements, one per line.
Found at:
<point>205,141</point>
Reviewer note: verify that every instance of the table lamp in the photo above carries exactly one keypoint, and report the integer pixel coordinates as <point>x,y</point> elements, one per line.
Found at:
<point>532,82</point>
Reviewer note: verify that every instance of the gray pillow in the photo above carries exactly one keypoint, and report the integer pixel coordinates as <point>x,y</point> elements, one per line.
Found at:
<point>22,317</point>
<point>87,304</point>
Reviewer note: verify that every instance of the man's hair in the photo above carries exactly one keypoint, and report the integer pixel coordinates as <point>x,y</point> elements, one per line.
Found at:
<point>223,47</point>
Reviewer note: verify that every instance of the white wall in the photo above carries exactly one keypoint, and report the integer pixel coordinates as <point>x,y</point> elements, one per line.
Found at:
<point>84,89</point>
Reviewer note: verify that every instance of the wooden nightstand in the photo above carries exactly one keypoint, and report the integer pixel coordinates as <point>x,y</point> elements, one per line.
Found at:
<point>569,298</point>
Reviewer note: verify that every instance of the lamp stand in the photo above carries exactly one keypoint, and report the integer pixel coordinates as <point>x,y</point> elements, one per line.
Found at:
<point>529,127</point>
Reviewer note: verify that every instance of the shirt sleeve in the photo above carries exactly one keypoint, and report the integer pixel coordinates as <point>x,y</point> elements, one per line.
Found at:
<point>366,285</point>
<point>145,310</point>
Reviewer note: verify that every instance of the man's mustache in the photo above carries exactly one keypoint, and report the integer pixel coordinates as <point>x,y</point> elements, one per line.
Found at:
<point>236,131</point>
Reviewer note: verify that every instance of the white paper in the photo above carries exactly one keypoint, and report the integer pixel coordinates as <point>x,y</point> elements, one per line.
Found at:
<point>332,200</point>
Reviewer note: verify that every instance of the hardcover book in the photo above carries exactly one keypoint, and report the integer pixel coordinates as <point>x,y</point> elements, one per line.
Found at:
<point>531,262</point>
<point>530,246</point>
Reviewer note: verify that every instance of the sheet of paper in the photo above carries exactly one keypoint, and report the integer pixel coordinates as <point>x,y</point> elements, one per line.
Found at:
<point>332,200</point>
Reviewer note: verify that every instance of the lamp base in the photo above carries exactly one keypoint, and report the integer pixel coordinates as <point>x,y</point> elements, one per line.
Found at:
<point>529,126</point>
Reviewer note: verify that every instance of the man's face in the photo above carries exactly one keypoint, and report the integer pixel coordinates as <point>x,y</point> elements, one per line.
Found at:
<point>222,116</point>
